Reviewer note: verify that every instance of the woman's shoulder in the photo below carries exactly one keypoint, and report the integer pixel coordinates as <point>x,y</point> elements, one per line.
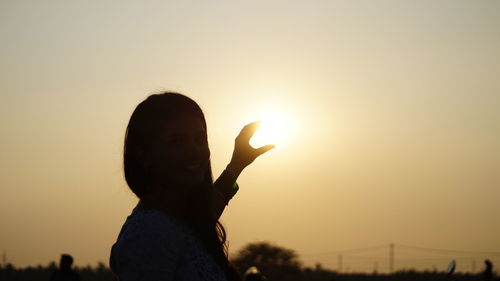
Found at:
<point>148,231</point>
<point>148,240</point>
<point>144,223</point>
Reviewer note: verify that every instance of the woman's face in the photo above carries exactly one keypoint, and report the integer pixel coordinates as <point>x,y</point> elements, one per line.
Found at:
<point>180,155</point>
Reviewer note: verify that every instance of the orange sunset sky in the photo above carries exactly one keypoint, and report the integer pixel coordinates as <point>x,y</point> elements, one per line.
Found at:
<point>391,108</point>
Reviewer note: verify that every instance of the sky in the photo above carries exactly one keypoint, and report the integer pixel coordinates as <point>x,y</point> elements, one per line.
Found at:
<point>391,108</point>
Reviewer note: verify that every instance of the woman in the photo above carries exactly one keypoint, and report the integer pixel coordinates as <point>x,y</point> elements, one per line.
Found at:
<point>173,233</point>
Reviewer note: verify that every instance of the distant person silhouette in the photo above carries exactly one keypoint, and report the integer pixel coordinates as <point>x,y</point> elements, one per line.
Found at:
<point>488,271</point>
<point>65,272</point>
<point>174,233</point>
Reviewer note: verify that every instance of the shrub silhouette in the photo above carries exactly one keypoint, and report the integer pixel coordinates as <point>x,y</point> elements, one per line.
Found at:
<point>275,262</point>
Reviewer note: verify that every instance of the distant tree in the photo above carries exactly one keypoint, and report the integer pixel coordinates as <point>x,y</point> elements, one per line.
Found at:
<point>275,262</point>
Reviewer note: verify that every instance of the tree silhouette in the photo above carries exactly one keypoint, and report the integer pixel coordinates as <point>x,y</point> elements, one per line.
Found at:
<point>275,262</point>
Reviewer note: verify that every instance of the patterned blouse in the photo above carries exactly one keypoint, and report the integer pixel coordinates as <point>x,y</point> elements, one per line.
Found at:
<point>155,246</point>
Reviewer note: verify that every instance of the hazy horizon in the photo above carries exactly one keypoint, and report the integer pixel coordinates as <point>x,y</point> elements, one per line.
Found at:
<point>393,111</point>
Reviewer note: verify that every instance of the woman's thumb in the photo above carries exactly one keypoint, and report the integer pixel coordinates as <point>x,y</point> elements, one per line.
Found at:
<point>265,148</point>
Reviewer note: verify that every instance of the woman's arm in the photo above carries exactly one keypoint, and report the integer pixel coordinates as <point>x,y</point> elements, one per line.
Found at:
<point>225,187</point>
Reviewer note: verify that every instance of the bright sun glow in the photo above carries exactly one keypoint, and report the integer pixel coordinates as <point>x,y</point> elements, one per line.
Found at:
<point>272,130</point>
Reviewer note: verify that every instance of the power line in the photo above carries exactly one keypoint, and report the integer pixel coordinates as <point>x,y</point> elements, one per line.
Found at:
<point>408,255</point>
<point>346,251</point>
<point>447,250</point>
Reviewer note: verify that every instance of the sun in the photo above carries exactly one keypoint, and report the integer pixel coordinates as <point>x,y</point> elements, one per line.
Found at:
<point>273,129</point>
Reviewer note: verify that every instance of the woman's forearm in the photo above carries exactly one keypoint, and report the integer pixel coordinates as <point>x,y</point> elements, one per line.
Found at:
<point>225,187</point>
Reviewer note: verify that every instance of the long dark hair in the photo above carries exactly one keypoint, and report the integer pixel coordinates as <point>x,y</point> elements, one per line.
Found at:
<point>143,128</point>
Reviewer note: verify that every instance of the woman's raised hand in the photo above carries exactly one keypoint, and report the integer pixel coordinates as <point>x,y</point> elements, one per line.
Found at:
<point>244,154</point>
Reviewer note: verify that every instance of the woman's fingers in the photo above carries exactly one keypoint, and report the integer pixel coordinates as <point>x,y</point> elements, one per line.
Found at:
<point>248,131</point>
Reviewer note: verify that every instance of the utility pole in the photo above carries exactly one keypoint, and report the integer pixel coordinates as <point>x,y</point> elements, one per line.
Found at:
<point>391,258</point>
<point>339,263</point>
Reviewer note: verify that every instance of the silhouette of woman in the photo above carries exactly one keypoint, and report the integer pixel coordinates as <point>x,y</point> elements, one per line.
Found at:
<point>173,233</point>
